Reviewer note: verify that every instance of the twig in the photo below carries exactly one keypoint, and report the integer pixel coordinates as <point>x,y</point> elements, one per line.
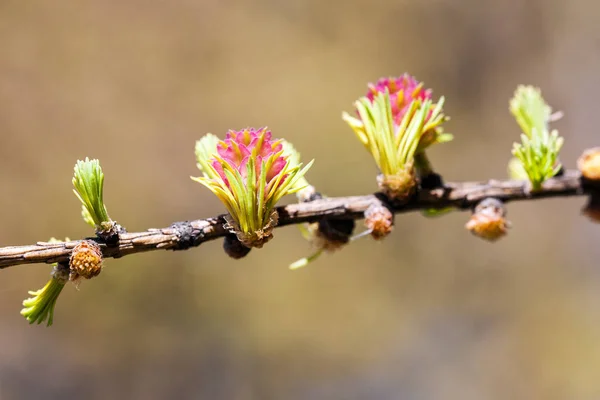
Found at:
<point>183,235</point>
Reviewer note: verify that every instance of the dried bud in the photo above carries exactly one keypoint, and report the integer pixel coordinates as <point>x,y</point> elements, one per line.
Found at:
<point>109,232</point>
<point>325,236</point>
<point>488,220</point>
<point>431,180</point>
<point>330,235</point>
<point>592,208</point>
<point>379,220</point>
<point>589,164</point>
<point>86,260</point>
<point>333,233</point>
<point>234,248</point>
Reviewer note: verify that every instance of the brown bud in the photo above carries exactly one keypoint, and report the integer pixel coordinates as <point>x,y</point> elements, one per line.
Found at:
<point>335,231</point>
<point>488,220</point>
<point>86,260</point>
<point>379,220</point>
<point>330,235</point>
<point>234,248</point>
<point>589,164</point>
<point>592,208</point>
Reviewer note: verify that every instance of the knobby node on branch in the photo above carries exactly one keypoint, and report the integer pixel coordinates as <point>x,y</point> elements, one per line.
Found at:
<point>250,171</point>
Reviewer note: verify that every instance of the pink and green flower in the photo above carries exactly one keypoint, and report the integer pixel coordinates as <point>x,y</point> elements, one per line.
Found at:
<point>397,120</point>
<point>402,90</point>
<point>249,172</point>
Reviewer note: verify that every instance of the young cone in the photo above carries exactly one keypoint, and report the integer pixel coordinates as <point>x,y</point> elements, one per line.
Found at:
<point>249,172</point>
<point>397,120</point>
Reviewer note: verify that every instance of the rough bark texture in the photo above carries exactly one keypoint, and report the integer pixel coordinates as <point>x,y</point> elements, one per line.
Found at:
<point>184,235</point>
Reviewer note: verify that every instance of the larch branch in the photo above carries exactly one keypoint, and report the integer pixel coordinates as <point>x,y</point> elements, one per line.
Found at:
<point>184,235</point>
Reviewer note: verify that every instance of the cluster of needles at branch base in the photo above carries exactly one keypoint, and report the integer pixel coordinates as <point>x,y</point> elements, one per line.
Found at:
<point>40,307</point>
<point>537,154</point>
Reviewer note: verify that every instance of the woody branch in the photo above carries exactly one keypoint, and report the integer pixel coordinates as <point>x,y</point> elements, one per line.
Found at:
<point>188,234</point>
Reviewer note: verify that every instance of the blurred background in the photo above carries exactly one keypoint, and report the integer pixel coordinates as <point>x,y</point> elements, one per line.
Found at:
<point>430,313</point>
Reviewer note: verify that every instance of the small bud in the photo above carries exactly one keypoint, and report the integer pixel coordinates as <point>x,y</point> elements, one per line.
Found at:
<point>431,181</point>
<point>592,208</point>
<point>109,233</point>
<point>336,232</point>
<point>234,248</point>
<point>379,220</point>
<point>589,164</point>
<point>428,179</point>
<point>330,235</point>
<point>86,260</point>
<point>488,220</point>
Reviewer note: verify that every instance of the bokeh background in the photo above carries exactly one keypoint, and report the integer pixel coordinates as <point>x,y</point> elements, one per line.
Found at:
<point>430,313</point>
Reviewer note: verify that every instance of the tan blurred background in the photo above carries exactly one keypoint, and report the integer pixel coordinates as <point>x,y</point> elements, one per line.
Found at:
<point>431,313</point>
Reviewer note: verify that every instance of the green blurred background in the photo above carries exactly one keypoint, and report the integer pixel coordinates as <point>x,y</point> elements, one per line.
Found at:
<point>430,313</point>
